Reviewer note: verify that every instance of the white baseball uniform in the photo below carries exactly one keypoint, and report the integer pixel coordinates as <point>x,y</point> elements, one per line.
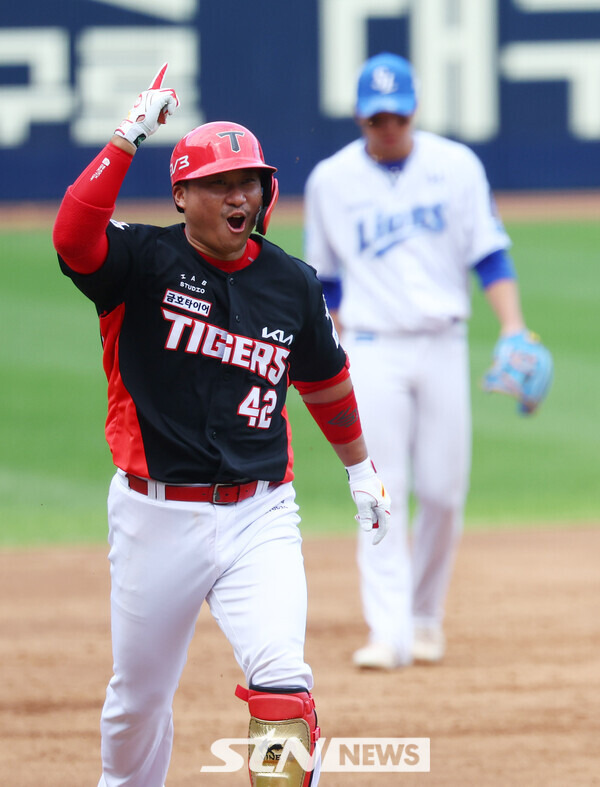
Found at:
<point>403,242</point>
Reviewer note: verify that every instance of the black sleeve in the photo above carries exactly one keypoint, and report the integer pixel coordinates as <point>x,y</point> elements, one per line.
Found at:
<point>318,354</point>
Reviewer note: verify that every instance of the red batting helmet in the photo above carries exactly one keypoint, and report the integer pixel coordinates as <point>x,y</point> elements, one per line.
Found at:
<point>221,147</point>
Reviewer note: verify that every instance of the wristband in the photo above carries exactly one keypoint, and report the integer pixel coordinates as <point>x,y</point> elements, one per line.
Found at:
<point>339,421</point>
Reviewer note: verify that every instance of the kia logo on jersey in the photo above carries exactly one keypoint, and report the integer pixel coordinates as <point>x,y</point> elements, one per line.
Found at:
<point>277,335</point>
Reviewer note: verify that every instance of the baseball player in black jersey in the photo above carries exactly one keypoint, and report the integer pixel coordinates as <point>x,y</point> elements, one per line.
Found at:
<point>204,325</point>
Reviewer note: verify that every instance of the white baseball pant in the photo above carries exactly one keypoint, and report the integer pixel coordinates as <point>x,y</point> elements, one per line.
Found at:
<point>414,401</point>
<point>166,558</point>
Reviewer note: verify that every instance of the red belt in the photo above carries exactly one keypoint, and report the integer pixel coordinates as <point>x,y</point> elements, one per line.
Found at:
<point>219,494</point>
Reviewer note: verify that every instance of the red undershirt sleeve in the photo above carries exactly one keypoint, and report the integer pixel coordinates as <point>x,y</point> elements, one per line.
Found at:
<point>79,233</point>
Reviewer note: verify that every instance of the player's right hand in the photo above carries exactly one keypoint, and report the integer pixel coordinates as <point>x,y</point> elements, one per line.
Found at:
<point>371,499</point>
<point>149,111</point>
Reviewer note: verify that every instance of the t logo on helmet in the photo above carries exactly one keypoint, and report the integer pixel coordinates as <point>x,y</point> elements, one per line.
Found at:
<point>233,135</point>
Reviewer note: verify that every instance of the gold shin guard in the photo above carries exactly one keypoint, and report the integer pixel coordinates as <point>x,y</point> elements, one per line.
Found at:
<point>285,728</point>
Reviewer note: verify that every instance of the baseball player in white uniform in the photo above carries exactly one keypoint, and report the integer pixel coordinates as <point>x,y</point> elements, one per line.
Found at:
<point>396,222</point>
<point>204,325</point>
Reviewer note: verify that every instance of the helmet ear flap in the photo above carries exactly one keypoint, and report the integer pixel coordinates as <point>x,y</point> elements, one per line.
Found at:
<point>270,197</point>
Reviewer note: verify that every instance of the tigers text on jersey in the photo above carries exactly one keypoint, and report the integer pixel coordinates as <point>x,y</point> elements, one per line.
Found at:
<point>410,237</point>
<point>198,359</point>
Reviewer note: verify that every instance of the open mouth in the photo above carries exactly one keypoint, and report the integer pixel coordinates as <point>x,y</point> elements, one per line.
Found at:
<point>236,222</point>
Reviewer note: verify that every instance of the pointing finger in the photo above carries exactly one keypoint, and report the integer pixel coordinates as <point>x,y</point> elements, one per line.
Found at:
<point>157,81</point>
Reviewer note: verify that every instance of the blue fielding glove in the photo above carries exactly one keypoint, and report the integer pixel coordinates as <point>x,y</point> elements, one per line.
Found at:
<point>522,367</point>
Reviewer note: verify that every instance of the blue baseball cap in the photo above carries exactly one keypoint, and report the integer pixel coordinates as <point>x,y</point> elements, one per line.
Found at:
<point>386,84</point>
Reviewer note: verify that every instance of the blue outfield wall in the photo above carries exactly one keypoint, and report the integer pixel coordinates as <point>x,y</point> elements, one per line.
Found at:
<point>517,80</point>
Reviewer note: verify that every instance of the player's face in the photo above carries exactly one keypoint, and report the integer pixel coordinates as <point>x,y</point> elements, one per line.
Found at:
<point>388,136</point>
<point>220,211</point>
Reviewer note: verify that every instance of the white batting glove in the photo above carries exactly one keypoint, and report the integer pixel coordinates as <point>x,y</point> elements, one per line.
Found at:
<point>149,111</point>
<point>371,499</point>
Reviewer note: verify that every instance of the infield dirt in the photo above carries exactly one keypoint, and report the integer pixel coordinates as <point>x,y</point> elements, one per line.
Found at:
<point>515,702</point>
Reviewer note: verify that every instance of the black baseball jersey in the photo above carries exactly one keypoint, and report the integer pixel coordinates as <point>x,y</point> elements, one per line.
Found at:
<point>198,359</point>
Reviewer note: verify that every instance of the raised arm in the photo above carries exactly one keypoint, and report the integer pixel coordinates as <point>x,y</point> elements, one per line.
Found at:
<point>79,233</point>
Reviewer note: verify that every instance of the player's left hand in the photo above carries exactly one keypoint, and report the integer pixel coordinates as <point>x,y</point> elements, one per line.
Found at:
<point>371,499</point>
<point>149,111</point>
<point>521,367</point>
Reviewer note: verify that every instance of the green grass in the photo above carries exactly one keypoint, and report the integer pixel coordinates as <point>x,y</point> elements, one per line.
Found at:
<point>544,468</point>
<point>55,466</point>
